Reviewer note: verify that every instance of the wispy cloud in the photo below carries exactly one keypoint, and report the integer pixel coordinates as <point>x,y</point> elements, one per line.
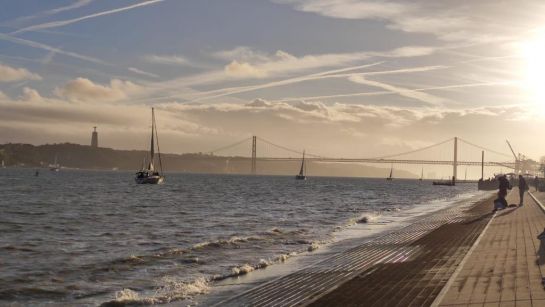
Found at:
<point>143,73</point>
<point>167,59</point>
<point>61,23</point>
<point>484,20</point>
<point>37,45</point>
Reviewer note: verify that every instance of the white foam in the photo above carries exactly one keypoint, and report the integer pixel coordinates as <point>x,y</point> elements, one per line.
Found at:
<point>170,289</point>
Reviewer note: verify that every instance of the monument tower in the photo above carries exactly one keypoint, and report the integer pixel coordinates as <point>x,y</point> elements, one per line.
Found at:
<point>94,138</point>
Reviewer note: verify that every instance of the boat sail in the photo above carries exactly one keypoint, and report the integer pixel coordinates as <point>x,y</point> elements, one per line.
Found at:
<point>301,175</point>
<point>391,173</point>
<point>149,174</point>
<point>55,167</point>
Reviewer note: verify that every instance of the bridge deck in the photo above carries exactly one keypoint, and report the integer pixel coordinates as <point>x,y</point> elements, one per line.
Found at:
<point>408,265</point>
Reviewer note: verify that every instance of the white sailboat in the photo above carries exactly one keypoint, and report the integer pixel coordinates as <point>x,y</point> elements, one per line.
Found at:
<point>3,164</point>
<point>149,174</point>
<point>55,167</point>
<point>301,175</point>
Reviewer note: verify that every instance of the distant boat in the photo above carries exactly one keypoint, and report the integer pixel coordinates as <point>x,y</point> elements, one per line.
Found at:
<point>301,175</point>
<point>391,173</point>
<point>422,175</point>
<point>445,182</point>
<point>3,164</point>
<point>149,174</point>
<point>55,167</point>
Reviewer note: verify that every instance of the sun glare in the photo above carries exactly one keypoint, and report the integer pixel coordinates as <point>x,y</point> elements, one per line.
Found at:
<point>533,52</point>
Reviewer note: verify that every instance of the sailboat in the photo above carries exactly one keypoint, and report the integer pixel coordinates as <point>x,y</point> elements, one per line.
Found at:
<point>391,173</point>
<point>422,175</point>
<point>3,164</point>
<point>301,175</point>
<point>149,174</point>
<point>55,167</point>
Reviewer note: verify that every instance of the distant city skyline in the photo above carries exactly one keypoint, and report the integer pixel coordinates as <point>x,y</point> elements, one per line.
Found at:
<point>338,78</point>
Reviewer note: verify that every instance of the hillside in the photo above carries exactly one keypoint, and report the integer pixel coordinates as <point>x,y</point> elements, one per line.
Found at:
<point>87,157</point>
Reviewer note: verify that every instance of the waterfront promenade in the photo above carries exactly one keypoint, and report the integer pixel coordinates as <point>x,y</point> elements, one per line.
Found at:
<point>460,256</point>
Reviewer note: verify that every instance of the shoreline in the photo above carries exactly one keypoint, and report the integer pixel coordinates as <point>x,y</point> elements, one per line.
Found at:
<point>300,262</point>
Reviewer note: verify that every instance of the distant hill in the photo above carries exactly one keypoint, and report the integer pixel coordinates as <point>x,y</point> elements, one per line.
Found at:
<point>87,157</point>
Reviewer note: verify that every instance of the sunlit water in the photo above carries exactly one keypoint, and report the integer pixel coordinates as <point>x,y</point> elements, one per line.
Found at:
<point>81,237</point>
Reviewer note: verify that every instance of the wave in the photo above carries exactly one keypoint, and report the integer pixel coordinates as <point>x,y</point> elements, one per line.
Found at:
<point>171,289</point>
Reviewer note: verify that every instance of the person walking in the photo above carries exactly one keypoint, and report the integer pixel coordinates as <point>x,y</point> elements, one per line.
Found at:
<point>523,186</point>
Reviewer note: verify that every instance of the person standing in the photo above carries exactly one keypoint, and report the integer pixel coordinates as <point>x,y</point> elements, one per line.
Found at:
<point>504,185</point>
<point>523,186</point>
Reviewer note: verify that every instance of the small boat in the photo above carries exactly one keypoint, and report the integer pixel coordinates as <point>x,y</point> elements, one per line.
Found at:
<point>391,173</point>
<point>149,174</point>
<point>55,167</point>
<point>422,175</point>
<point>446,182</point>
<point>301,175</point>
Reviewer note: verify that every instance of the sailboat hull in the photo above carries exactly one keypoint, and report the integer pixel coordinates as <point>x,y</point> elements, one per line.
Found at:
<point>150,180</point>
<point>300,177</point>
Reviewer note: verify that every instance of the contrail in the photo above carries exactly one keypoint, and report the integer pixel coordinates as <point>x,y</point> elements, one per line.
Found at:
<point>37,45</point>
<point>60,23</point>
<point>75,5</point>
<point>378,93</point>
<point>420,96</point>
<point>317,76</point>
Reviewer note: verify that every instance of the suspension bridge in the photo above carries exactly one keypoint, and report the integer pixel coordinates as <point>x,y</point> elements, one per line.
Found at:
<point>447,153</point>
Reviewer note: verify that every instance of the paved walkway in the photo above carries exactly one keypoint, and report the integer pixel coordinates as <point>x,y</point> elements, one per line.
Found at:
<point>504,269</point>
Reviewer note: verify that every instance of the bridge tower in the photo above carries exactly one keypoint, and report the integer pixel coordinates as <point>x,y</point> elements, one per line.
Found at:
<point>254,155</point>
<point>455,161</point>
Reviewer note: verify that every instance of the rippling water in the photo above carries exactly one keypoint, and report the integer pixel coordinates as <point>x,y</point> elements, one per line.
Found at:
<point>80,237</point>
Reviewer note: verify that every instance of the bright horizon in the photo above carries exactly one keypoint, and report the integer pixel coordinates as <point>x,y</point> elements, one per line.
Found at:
<point>338,78</point>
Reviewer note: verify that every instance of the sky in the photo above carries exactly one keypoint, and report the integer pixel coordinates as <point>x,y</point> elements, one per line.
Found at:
<point>339,78</point>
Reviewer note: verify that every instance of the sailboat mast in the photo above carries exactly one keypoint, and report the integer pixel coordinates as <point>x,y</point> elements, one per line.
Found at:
<point>302,164</point>
<point>152,146</point>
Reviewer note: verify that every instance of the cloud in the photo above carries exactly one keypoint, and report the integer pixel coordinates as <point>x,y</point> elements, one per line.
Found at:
<point>244,70</point>
<point>346,129</point>
<point>31,95</point>
<point>82,89</point>
<point>143,73</point>
<point>10,74</point>
<point>447,20</point>
<point>167,59</point>
<point>61,23</point>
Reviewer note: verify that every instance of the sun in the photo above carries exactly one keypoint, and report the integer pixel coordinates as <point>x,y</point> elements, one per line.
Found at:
<point>533,54</point>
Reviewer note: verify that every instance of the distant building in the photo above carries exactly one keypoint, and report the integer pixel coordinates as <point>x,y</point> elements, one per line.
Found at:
<point>94,138</point>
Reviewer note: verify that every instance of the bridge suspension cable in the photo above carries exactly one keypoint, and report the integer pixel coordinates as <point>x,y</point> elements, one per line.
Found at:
<point>412,151</point>
<point>288,149</point>
<point>485,149</point>
<point>228,146</point>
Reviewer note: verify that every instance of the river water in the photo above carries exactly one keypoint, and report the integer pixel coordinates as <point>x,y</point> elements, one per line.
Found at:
<point>87,237</point>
